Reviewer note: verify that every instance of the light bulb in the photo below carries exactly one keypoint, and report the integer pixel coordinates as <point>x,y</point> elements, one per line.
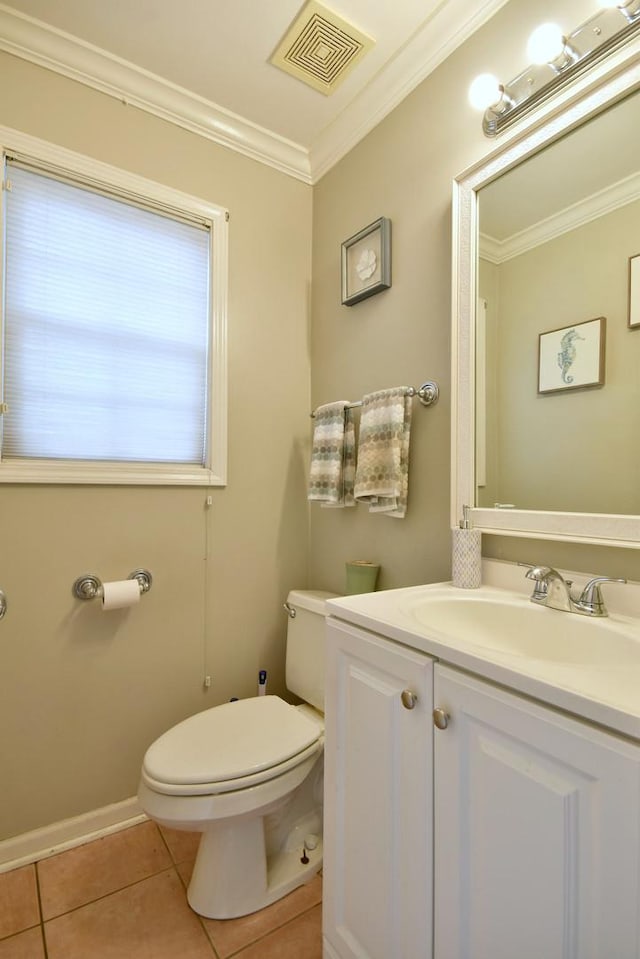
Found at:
<point>484,91</point>
<point>546,43</point>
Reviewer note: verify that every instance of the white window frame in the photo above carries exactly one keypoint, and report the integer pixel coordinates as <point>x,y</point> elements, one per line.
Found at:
<point>214,472</point>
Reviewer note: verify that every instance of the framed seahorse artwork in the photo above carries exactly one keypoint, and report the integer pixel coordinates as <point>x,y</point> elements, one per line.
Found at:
<point>572,358</point>
<point>634,292</point>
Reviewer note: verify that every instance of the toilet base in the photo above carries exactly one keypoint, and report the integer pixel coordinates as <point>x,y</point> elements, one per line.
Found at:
<point>253,839</point>
<point>234,875</point>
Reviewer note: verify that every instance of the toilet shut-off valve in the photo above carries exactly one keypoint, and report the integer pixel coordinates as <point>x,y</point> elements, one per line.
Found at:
<point>310,843</point>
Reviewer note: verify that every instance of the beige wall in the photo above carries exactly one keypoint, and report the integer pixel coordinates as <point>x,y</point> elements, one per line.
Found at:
<point>576,450</point>
<point>82,692</point>
<point>404,170</point>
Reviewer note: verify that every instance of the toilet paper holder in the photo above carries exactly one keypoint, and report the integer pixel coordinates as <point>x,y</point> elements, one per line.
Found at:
<point>89,586</point>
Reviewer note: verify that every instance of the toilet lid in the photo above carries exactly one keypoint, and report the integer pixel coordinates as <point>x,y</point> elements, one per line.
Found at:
<point>230,741</point>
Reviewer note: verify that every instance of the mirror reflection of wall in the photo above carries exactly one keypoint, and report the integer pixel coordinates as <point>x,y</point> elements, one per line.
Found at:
<point>556,235</point>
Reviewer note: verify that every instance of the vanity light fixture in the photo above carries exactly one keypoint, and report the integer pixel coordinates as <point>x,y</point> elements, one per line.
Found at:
<point>630,9</point>
<point>557,58</point>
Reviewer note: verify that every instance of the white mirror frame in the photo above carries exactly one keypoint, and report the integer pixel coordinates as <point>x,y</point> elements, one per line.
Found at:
<point>603,85</point>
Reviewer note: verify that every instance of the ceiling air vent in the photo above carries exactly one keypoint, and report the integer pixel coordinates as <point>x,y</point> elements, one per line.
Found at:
<point>320,48</point>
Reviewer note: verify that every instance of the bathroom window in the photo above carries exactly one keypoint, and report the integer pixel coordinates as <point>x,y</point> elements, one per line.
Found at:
<point>113,328</point>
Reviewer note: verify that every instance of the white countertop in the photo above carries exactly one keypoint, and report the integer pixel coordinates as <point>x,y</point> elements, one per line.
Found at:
<point>607,694</point>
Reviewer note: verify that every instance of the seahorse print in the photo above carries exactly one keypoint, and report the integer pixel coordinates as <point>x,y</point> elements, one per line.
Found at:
<point>567,354</point>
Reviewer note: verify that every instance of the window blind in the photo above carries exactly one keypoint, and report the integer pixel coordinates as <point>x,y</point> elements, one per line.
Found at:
<point>106,327</point>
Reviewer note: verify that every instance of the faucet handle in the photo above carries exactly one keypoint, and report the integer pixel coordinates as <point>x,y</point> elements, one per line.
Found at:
<point>539,575</point>
<point>591,600</point>
<point>536,572</point>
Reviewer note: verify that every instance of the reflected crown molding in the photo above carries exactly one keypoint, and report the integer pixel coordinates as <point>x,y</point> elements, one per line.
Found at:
<point>578,214</point>
<point>451,24</point>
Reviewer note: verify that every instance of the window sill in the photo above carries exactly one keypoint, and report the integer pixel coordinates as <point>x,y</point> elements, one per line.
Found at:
<point>108,474</point>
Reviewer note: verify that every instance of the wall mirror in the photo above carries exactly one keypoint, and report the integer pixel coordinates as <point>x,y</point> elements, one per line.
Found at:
<point>546,420</point>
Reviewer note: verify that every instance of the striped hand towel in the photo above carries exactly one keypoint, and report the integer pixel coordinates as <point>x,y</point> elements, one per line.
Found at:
<point>332,471</point>
<point>382,473</point>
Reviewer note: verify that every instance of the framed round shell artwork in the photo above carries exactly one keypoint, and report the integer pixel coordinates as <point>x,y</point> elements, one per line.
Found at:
<point>366,262</point>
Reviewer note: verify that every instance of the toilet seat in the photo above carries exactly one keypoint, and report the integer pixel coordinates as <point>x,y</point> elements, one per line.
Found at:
<point>232,746</point>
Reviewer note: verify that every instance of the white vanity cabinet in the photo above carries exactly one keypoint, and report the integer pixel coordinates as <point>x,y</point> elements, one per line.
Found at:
<point>377,899</point>
<point>537,830</point>
<point>511,833</point>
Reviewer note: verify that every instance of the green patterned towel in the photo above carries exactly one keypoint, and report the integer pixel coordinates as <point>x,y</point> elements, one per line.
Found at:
<point>332,470</point>
<point>382,473</point>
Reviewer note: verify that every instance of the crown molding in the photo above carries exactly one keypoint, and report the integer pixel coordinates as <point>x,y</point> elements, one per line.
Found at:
<point>56,50</point>
<point>578,214</point>
<point>451,24</point>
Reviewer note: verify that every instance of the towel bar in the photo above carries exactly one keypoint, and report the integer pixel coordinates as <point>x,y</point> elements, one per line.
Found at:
<point>428,394</point>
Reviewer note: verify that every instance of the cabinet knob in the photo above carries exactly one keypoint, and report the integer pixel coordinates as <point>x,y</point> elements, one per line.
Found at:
<point>440,718</point>
<point>408,698</point>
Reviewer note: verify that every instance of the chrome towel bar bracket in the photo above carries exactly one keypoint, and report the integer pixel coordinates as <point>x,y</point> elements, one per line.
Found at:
<point>89,586</point>
<point>428,395</point>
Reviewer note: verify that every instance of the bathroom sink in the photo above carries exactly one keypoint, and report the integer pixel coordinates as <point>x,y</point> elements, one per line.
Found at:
<point>508,623</point>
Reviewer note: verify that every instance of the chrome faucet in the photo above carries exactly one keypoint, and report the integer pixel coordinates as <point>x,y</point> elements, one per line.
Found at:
<point>552,590</point>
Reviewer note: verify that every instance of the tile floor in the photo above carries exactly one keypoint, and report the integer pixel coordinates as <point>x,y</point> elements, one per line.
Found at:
<point>123,897</point>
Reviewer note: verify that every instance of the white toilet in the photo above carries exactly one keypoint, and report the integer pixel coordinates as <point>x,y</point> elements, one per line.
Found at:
<point>249,776</point>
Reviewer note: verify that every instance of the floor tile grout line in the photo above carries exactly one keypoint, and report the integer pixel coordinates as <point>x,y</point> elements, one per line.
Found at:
<point>208,937</point>
<point>39,895</point>
<point>19,932</point>
<point>127,885</point>
<point>184,884</point>
<point>238,952</point>
<point>91,902</point>
<point>165,843</point>
<point>168,848</point>
<point>253,942</point>
<point>172,867</point>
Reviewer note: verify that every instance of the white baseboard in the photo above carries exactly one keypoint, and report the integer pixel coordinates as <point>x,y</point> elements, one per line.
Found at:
<point>49,840</point>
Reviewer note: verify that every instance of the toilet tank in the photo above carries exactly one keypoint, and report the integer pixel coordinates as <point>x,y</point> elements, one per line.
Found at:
<point>306,645</point>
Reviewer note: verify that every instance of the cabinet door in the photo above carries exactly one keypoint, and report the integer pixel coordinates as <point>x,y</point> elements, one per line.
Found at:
<point>378,799</point>
<point>536,830</point>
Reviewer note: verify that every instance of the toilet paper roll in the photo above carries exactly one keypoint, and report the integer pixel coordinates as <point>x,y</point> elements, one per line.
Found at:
<point>119,595</point>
